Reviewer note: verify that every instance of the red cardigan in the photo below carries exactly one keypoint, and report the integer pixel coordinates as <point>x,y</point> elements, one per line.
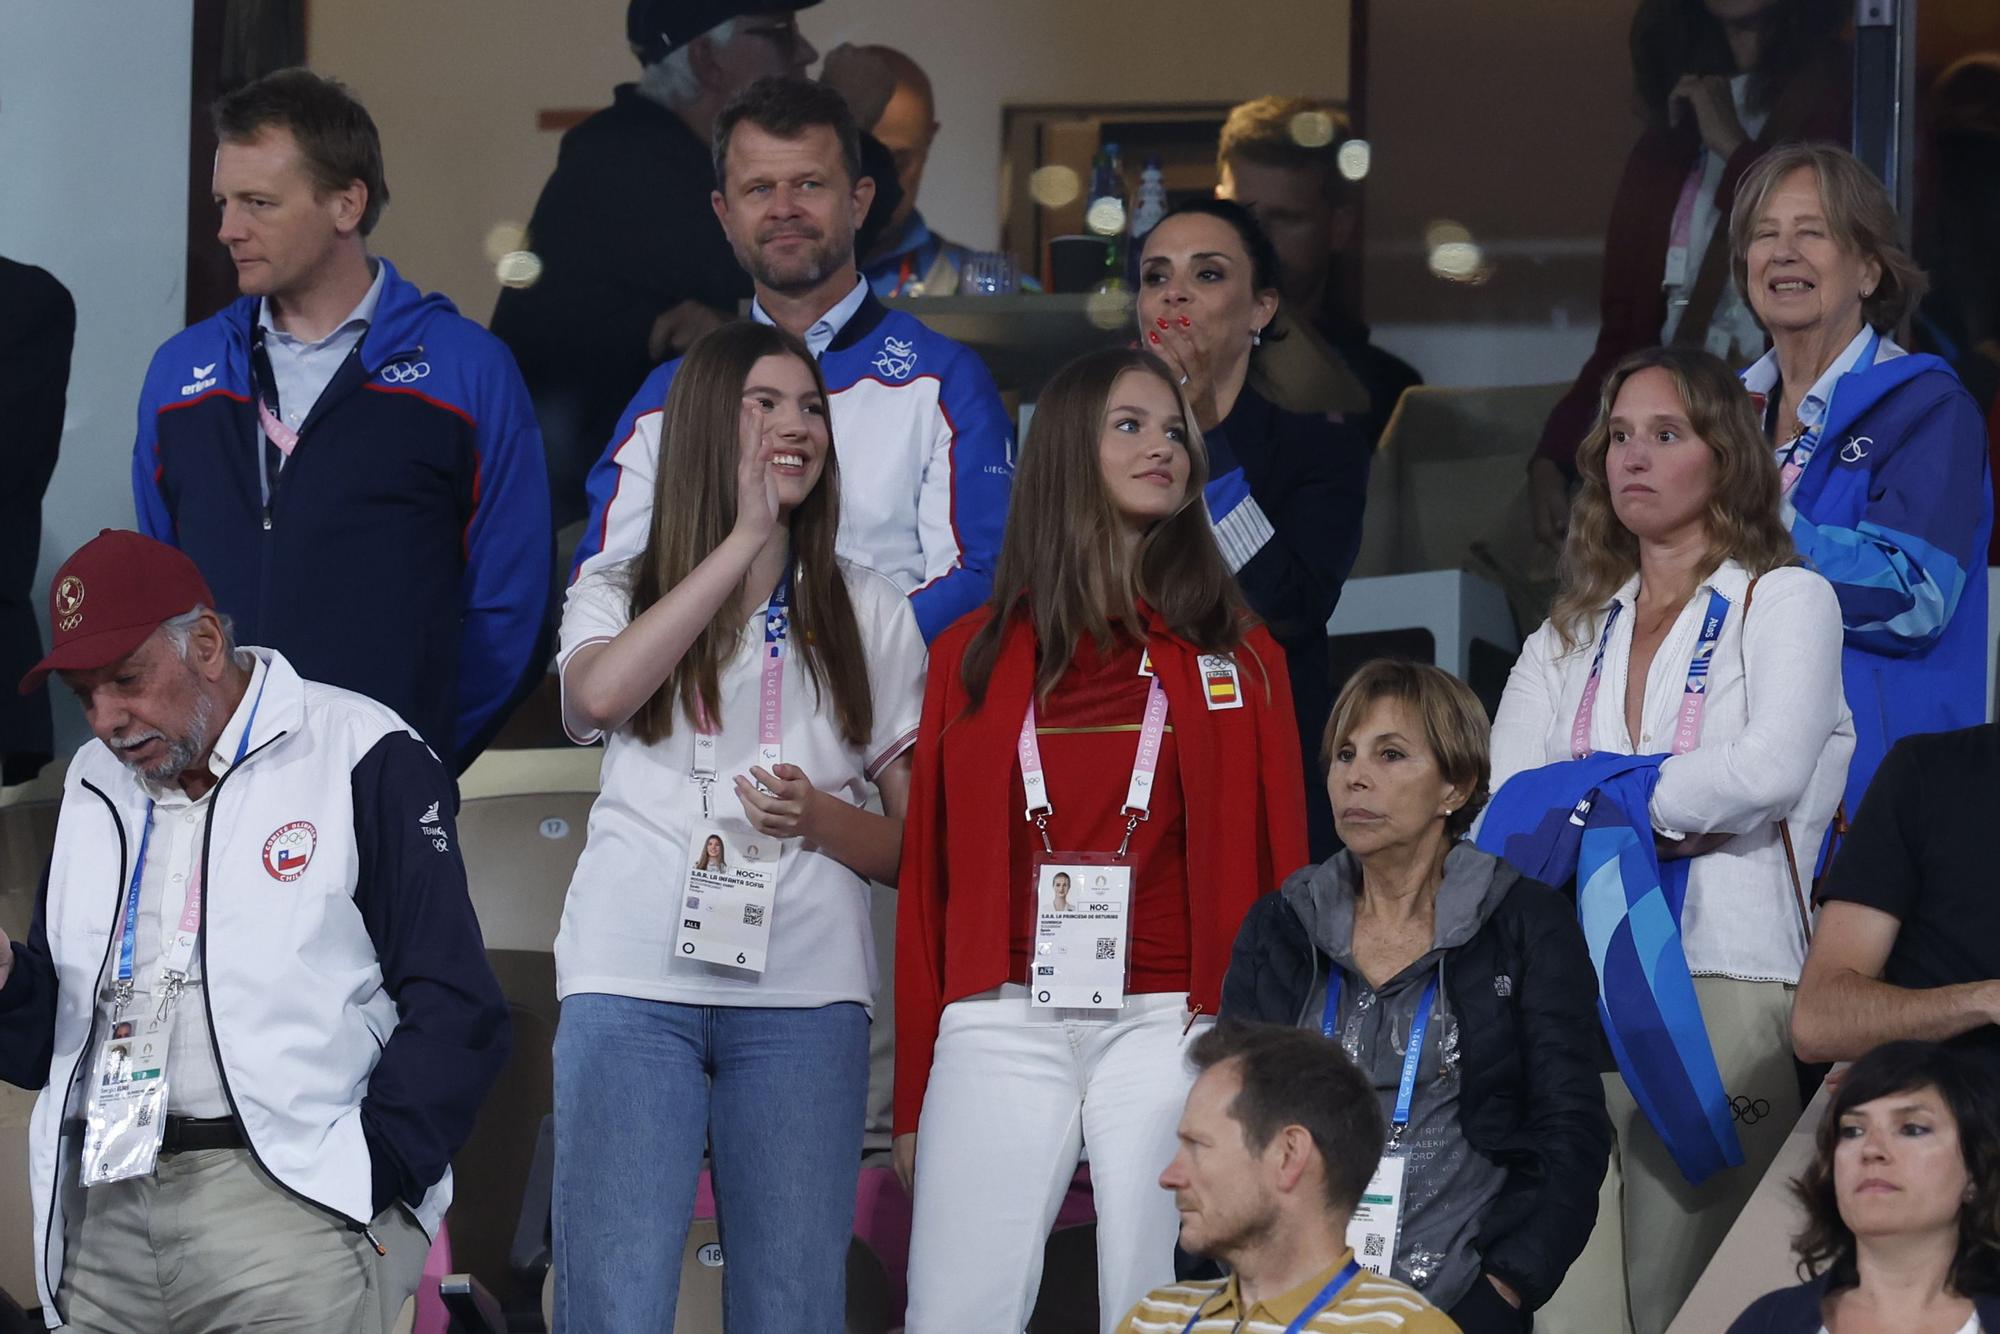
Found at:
<point>1245,823</point>
<point>1632,302</point>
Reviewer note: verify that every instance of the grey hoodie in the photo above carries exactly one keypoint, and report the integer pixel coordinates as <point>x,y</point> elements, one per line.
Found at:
<point>1447,1185</point>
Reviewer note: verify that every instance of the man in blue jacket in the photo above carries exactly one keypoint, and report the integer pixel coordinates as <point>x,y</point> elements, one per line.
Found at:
<point>254,996</point>
<point>353,465</point>
<point>925,444</point>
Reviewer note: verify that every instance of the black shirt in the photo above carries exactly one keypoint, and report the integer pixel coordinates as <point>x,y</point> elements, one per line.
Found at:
<point>1922,850</point>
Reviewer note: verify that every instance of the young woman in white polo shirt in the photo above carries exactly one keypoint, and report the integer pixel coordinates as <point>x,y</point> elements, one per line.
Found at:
<point>751,689</point>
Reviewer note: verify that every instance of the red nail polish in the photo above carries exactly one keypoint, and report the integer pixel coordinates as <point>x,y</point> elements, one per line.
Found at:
<point>1186,323</point>
<point>1161,322</point>
<point>1152,337</point>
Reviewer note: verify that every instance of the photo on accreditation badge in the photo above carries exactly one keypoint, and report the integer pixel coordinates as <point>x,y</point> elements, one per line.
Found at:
<point>713,855</point>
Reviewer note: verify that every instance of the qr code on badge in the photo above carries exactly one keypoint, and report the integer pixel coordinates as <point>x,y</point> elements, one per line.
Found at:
<point>753,914</point>
<point>1107,947</point>
<point>145,1117</point>
<point>1371,1246</point>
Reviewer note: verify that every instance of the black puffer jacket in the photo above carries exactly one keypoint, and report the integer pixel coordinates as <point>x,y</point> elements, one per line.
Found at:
<point>1531,1094</point>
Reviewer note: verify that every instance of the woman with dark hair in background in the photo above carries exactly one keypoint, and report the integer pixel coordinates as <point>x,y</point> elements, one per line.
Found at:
<point>1902,1204</point>
<point>1720,82</point>
<point>1116,689</point>
<point>1285,489</point>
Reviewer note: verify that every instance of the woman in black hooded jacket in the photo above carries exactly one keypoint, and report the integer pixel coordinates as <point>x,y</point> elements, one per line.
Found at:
<point>1506,1128</point>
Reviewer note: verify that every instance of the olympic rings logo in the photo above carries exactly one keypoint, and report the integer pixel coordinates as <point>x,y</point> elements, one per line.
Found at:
<point>1749,1110</point>
<point>406,372</point>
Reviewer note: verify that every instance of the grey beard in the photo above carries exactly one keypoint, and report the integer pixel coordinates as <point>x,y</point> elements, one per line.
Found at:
<point>184,751</point>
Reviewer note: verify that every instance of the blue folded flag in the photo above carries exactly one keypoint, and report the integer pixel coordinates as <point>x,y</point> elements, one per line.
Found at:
<point>1587,820</point>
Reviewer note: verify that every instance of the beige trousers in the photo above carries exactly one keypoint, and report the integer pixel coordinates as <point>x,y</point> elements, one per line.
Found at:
<point>209,1243</point>
<point>1655,1232</point>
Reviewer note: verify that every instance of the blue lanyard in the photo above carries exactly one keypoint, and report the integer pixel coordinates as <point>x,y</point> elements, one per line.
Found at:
<point>1313,1307</point>
<point>777,613</point>
<point>1413,1050</point>
<point>128,937</point>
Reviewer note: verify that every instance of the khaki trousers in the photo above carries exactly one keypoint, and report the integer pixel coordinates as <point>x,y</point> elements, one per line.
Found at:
<point>210,1243</point>
<point>1655,1233</point>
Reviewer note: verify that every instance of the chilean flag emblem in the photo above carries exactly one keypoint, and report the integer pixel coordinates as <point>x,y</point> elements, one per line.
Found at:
<point>289,851</point>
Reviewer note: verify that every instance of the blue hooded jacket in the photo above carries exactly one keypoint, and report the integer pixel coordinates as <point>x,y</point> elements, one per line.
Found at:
<point>1895,509</point>
<point>405,551</point>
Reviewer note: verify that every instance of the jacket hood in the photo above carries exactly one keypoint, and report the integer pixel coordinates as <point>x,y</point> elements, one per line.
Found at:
<point>1323,897</point>
<point>402,318</point>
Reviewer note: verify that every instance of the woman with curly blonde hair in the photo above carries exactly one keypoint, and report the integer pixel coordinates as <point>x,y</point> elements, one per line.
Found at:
<point>1674,530</point>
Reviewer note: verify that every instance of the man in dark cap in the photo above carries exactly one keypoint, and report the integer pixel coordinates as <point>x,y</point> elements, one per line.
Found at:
<point>633,265</point>
<point>255,1070</point>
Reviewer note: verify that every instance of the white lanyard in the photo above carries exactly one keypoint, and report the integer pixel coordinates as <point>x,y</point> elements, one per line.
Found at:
<point>1138,792</point>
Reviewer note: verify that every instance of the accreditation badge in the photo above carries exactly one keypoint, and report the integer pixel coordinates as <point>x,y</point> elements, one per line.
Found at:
<point>1082,931</point>
<point>1372,1228</point>
<point>726,895</point>
<point>126,1109</point>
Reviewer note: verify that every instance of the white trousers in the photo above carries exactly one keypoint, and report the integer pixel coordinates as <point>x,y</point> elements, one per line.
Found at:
<point>1014,1098</point>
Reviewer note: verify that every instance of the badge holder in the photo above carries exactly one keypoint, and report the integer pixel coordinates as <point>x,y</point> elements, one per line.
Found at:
<point>1083,900</point>
<point>726,896</point>
<point>1082,930</point>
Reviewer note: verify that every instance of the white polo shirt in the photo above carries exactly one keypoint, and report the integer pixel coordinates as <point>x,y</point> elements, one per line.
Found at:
<point>620,918</point>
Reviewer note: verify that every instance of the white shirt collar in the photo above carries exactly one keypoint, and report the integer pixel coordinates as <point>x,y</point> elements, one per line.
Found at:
<point>1762,378</point>
<point>363,313</point>
<point>827,326</point>
<point>1729,579</point>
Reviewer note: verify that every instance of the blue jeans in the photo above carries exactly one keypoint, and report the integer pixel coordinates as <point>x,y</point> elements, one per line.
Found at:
<point>778,1094</point>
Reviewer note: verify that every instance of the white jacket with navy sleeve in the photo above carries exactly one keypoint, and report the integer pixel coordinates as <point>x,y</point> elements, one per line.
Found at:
<point>357,1024</point>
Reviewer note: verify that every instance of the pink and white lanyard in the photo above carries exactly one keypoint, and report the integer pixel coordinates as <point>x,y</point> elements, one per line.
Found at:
<point>770,699</point>
<point>1138,792</point>
<point>1800,450</point>
<point>1694,694</point>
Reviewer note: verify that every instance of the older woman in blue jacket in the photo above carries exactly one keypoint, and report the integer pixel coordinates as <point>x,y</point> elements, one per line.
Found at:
<point>1882,453</point>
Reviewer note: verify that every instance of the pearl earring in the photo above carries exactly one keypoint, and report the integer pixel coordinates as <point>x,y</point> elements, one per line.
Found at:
<point>1256,338</point>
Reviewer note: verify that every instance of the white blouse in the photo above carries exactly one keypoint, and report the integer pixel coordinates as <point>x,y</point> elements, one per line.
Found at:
<point>1776,736</point>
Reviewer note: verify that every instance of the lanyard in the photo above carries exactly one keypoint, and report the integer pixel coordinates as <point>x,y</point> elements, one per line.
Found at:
<point>128,936</point>
<point>1413,1050</point>
<point>1680,241</point>
<point>1138,792</point>
<point>283,436</point>
<point>1313,1307</point>
<point>1694,692</point>
<point>1799,453</point>
<point>770,698</point>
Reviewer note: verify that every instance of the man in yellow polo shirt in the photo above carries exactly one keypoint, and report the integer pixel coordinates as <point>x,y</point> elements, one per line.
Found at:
<point>1278,1141</point>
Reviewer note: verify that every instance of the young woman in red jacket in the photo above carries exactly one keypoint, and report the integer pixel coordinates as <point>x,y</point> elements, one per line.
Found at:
<point>1114,716</point>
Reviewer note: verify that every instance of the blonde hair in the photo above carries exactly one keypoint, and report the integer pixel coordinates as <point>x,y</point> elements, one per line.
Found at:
<point>1859,214</point>
<point>1742,514</point>
<point>1457,731</point>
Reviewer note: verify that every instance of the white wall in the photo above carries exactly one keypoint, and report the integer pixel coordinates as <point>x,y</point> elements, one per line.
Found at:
<point>456,99</point>
<point>94,135</point>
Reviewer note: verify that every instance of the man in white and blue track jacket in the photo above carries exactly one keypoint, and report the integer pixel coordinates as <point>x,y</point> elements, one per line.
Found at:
<point>353,464</point>
<point>261,875</point>
<point>924,443</point>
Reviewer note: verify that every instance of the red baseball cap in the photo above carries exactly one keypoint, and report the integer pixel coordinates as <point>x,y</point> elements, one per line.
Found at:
<point>109,596</point>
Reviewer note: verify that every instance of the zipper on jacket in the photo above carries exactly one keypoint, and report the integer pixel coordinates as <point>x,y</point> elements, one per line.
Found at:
<point>69,1091</point>
<point>271,500</point>
<point>214,1034</point>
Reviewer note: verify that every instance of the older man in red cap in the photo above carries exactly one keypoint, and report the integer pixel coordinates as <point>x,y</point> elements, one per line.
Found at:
<point>254,997</point>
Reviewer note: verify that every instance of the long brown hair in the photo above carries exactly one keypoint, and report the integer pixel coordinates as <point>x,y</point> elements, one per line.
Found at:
<point>1061,561</point>
<point>694,508</point>
<point>1742,516</point>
